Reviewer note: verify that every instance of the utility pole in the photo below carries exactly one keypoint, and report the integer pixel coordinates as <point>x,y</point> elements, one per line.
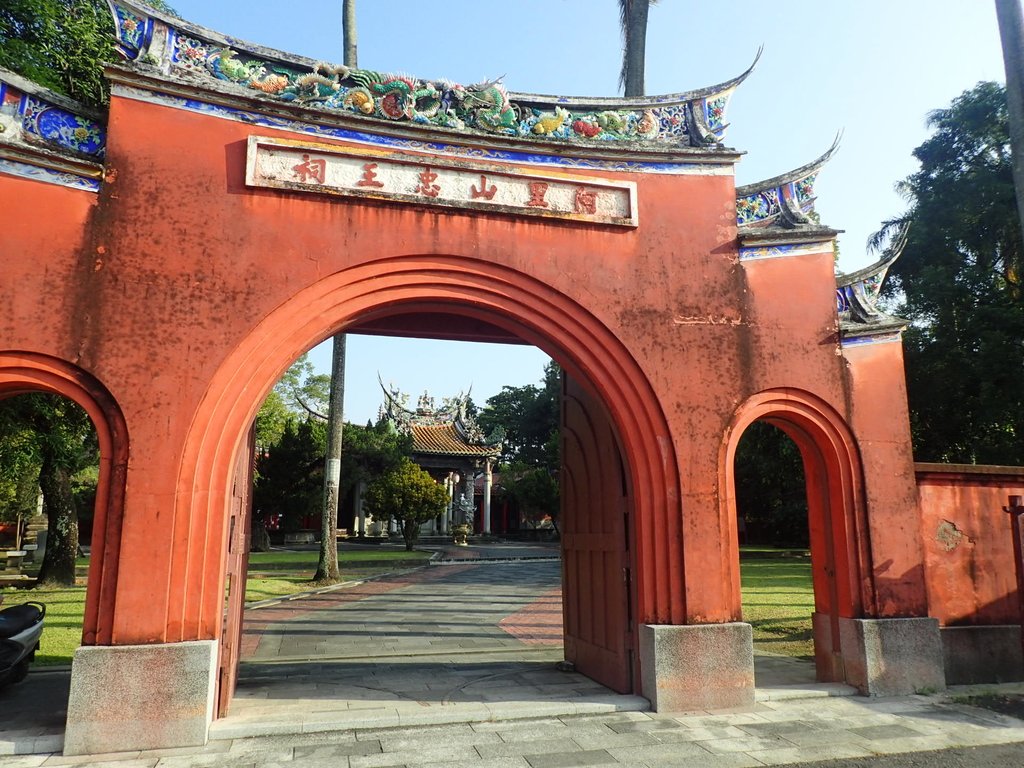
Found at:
<point>327,570</point>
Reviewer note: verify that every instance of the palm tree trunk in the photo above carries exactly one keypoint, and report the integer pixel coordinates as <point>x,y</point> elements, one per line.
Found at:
<point>633,16</point>
<point>1011,32</point>
<point>348,31</point>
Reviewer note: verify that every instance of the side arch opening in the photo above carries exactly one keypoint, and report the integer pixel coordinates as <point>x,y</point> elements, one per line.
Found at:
<point>839,546</point>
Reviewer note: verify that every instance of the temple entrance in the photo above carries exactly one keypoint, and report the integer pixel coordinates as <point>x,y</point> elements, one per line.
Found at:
<point>511,625</point>
<point>799,567</point>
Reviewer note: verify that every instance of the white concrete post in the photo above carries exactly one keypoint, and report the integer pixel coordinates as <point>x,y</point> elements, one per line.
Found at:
<point>360,511</point>
<point>487,496</point>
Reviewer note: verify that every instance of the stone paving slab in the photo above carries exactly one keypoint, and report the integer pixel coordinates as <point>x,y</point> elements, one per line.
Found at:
<point>486,696</point>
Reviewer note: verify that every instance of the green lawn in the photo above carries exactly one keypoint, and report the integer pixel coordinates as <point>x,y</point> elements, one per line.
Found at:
<point>778,599</point>
<point>271,574</point>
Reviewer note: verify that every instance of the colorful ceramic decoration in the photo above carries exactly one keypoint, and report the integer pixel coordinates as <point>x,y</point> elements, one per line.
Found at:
<point>185,50</point>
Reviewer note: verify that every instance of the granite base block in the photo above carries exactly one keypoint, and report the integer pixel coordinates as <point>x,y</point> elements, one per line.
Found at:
<point>892,657</point>
<point>697,666</point>
<point>131,697</point>
<point>983,654</point>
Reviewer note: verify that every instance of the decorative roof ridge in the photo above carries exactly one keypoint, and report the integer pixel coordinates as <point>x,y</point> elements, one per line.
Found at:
<point>858,293</point>
<point>50,130</point>
<point>33,88</point>
<point>178,48</point>
<point>889,256</point>
<point>148,83</point>
<point>794,175</point>
<point>786,200</point>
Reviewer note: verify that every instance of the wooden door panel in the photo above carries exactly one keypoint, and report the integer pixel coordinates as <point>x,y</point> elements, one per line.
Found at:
<point>239,526</point>
<point>594,544</point>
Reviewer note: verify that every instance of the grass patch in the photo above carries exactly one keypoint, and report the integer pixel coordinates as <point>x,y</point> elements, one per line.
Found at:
<point>65,607</point>
<point>778,599</point>
<point>271,574</point>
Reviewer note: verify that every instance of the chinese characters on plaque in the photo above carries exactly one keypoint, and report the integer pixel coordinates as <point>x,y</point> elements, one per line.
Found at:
<point>444,182</point>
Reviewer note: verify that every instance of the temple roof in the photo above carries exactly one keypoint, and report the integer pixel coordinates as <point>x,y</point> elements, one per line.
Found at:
<point>447,430</point>
<point>444,440</point>
<point>160,44</point>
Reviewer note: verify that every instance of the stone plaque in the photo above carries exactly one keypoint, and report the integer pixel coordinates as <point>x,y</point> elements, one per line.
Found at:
<point>405,178</point>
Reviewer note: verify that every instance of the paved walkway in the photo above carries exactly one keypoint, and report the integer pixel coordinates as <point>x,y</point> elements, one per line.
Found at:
<point>456,665</point>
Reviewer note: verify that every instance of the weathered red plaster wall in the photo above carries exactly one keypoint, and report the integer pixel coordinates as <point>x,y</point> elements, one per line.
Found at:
<point>181,288</point>
<point>968,544</point>
<point>41,233</point>
<point>880,418</point>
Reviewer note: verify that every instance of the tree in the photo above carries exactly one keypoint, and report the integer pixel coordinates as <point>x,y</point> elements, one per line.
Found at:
<point>633,19</point>
<point>289,478</point>
<point>53,439</point>
<point>771,495</point>
<point>61,44</point>
<point>408,495</point>
<point>959,283</point>
<point>531,458</point>
<point>528,415</point>
<point>371,451</point>
<point>535,492</point>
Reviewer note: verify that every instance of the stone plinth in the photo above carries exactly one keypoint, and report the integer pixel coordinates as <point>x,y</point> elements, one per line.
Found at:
<point>697,666</point>
<point>132,697</point>
<point>982,654</point>
<point>892,657</point>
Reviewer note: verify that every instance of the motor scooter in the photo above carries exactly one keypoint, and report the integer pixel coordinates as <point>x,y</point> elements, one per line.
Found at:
<point>20,629</point>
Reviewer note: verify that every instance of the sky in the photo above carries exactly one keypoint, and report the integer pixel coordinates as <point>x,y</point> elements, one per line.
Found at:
<point>872,69</point>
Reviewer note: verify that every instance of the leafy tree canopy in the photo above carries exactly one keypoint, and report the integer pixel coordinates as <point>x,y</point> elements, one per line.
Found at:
<point>959,283</point>
<point>529,416</point>
<point>408,495</point>
<point>61,44</point>
<point>47,439</point>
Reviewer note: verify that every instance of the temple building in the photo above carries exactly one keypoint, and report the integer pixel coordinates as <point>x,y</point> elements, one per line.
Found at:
<point>450,445</point>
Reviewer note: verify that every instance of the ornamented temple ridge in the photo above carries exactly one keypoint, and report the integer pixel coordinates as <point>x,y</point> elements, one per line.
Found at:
<point>48,137</point>
<point>857,293</point>
<point>785,200</point>
<point>188,52</point>
<point>438,429</point>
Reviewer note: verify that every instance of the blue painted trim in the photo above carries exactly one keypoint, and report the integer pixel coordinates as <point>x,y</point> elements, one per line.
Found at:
<point>49,176</point>
<point>880,338</point>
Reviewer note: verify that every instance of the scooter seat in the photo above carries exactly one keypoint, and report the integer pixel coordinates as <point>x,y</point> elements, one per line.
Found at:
<point>18,618</point>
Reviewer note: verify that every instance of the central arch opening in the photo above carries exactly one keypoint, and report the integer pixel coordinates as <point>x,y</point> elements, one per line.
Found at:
<point>550,619</point>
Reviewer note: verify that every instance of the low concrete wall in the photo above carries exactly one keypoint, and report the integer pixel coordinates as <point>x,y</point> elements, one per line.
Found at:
<point>892,657</point>
<point>987,654</point>
<point>697,666</point>
<point>131,697</point>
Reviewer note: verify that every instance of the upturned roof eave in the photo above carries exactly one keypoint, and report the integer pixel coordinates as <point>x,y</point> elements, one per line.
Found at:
<point>773,235</point>
<point>790,176</point>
